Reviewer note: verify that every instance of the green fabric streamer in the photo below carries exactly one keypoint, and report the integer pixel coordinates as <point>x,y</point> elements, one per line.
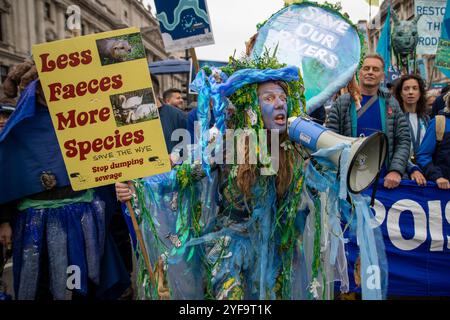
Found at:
<point>317,237</point>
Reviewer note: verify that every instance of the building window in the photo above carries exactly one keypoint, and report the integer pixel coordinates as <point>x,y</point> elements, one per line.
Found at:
<point>83,29</point>
<point>48,10</point>
<point>125,14</point>
<point>3,72</point>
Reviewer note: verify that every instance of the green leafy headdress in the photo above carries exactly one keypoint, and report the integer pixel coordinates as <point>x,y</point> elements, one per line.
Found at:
<point>237,83</point>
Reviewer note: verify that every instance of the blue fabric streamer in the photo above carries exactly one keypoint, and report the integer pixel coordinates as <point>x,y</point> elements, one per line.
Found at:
<point>344,148</point>
<point>373,288</point>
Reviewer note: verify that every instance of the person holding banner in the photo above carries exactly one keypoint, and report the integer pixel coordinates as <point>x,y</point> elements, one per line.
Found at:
<point>376,110</point>
<point>434,153</point>
<point>249,230</point>
<point>60,237</point>
<point>410,93</point>
<point>238,203</point>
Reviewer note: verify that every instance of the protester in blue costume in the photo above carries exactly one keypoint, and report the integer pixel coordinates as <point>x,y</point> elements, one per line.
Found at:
<point>268,229</point>
<point>57,232</point>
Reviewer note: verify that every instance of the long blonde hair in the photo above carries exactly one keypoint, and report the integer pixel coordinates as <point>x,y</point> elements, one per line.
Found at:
<point>247,173</point>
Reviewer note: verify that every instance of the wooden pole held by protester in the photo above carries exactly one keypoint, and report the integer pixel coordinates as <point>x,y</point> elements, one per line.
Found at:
<point>194,59</point>
<point>140,240</point>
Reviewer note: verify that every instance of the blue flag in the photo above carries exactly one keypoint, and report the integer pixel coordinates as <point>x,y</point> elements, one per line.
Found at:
<point>384,44</point>
<point>443,52</point>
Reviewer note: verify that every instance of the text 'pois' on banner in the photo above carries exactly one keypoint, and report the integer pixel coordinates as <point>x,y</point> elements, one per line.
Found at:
<point>99,93</point>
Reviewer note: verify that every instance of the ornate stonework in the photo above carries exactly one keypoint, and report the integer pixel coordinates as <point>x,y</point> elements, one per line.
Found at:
<point>27,22</point>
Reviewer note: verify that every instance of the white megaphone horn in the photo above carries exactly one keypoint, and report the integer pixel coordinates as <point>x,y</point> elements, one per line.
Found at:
<point>367,154</point>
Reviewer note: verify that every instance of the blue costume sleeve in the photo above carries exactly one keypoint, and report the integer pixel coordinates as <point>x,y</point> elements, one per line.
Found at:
<point>192,117</point>
<point>426,151</point>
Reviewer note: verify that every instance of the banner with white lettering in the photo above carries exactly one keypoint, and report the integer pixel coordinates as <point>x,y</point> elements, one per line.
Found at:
<point>430,24</point>
<point>320,41</point>
<point>415,223</point>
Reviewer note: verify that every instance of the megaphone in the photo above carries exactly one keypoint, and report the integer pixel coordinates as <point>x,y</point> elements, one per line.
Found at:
<point>367,154</point>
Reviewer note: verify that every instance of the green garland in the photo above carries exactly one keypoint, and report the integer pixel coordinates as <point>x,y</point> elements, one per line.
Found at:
<point>317,237</point>
<point>193,226</point>
<point>285,227</point>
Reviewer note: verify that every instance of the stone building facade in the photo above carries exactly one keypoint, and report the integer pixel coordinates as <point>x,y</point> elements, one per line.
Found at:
<point>24,23</point>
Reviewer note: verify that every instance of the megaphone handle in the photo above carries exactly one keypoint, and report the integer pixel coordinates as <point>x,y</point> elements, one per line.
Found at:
<point>374,190</point>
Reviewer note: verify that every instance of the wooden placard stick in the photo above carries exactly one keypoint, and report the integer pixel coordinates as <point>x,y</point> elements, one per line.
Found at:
<point>194,59</point>
<point>140,239</point>
<point>137,230</point>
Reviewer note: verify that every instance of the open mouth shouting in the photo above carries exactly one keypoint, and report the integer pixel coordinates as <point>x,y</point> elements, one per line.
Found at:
<point>280,119</point>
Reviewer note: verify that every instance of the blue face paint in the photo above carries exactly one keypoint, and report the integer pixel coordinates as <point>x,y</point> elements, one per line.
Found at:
<point>273,103</point>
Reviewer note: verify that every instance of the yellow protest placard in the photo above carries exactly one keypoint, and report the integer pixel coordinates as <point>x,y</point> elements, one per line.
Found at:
<point>99,93</point>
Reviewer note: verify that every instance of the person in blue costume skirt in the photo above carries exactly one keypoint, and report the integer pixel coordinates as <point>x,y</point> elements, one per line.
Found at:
<point>267,228</point>
<point>62,247</point>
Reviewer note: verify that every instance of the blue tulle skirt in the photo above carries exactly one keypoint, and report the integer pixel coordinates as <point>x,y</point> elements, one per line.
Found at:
<point>69,240</point>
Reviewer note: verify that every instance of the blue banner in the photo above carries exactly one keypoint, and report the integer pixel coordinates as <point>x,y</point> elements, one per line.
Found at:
<point>415,223</point>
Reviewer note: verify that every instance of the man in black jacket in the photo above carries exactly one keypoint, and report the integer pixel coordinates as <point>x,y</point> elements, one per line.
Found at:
<point>171,118</point>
